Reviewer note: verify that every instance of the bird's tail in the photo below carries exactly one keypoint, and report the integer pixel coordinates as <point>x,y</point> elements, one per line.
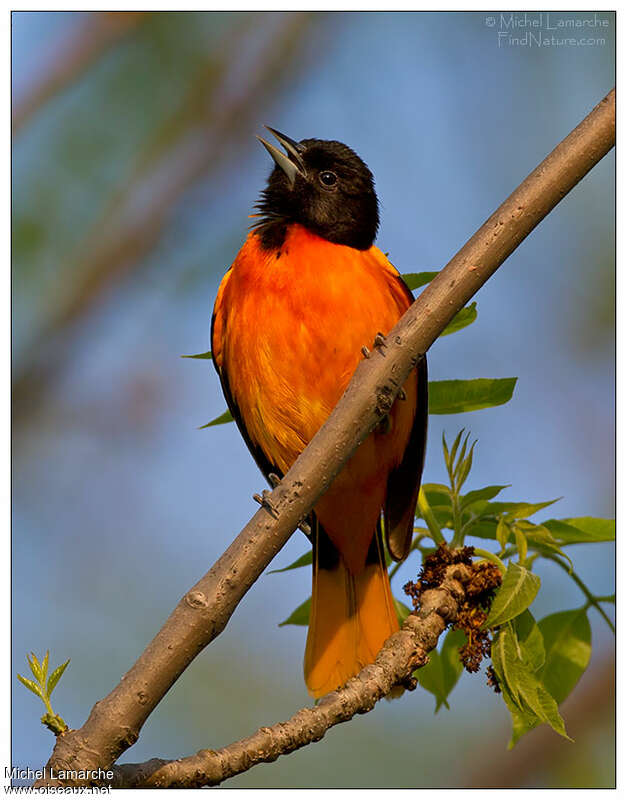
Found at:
<point>351,615</point>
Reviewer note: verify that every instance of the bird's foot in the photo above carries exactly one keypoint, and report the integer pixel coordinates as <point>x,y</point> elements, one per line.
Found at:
<point>265,502</point>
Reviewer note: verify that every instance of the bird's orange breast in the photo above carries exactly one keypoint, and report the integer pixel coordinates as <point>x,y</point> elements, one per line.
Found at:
<point>288,330</point>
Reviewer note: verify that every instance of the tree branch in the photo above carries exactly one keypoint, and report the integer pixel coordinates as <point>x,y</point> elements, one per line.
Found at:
<point>201,615</point>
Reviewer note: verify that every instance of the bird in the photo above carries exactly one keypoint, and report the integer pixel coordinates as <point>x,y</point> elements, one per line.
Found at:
<point>306,292</point>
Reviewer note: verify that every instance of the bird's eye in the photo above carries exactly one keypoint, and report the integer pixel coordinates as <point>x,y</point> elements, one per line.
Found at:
<point>328,178</point>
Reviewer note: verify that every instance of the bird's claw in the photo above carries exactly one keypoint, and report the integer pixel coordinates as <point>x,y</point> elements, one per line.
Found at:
<point>265,502</point>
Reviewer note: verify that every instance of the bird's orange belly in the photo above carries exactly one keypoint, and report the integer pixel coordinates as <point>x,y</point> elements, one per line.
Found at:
<point>290,355</point>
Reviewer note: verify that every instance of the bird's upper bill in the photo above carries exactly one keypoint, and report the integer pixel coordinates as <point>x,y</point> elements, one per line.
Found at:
<point>292,164</point>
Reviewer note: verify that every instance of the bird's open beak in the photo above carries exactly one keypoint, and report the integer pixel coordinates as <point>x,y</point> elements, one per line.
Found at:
<point>292,164</point>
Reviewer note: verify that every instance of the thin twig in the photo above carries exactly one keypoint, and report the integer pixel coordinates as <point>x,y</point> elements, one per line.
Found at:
<point>592,600</point>
<point>429,517</point>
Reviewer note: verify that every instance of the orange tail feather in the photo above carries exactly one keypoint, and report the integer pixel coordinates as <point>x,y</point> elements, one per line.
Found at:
<point>351,617</point>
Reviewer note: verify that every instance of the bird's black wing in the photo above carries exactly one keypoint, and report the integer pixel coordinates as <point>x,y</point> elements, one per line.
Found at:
<point>404,481</point>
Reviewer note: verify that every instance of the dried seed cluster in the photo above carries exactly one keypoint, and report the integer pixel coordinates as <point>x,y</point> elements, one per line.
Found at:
<point>473,611</point>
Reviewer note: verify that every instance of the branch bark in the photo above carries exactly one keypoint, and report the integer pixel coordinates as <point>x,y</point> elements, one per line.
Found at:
<point>202,614</point>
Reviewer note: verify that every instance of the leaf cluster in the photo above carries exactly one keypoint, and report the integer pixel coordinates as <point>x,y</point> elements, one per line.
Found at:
<point>532,684</point>
<point>43,686</point>
<point>538,665</point>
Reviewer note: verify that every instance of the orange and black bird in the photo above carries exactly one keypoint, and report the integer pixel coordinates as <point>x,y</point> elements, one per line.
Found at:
<point>305,293</point>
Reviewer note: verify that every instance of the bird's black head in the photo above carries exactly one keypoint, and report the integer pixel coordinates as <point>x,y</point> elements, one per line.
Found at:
<point>323,186</point>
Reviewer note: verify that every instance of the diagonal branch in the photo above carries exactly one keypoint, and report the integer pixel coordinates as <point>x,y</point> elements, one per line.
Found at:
<point>404,652</point>
<point>202,614</point>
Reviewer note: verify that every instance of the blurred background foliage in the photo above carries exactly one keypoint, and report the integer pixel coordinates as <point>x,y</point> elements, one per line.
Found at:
<point>134,171</point>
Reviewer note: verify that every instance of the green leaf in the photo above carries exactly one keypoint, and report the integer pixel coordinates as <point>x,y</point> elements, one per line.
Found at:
<point>500,664</point>
<point>462,454</point>
<point>482,529</point>
<point>300,615</point>
<point>536,697</point>
<point>582,529</point>
<point>541,539</point>
<point>524,510</point>
<point>443,515</point>
<point>530,639</point>
<point>44,668</point>
<point>523,692</point>
<point>567,641</point>
<point>440,675</point>
<point>487,493</point>
<point>464,467</point>
<point>516,510</point>
<point>451,662</point>
<point>525,720</point>
<point>402,611</point>
<point>31,685</point>
<point>461,320</point>
<point>415,280</point>
<point>225,417</point>
<point>502,533</point>
<point>522,721</point>
<point>430,677</point>
<point>437,494</point>
<point>302,561</point>
<point>423,510</point>
<point>35,667</point>
<point>521,544</point>
<point>55,677</point>
<point>516,593</point>
<point>439,500</point>
<point>200,355</point>
<point>599,530</point>
<point>550,712</point>
<point>453,455</point>
<point>456,397</point>
<point>447,456</point>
